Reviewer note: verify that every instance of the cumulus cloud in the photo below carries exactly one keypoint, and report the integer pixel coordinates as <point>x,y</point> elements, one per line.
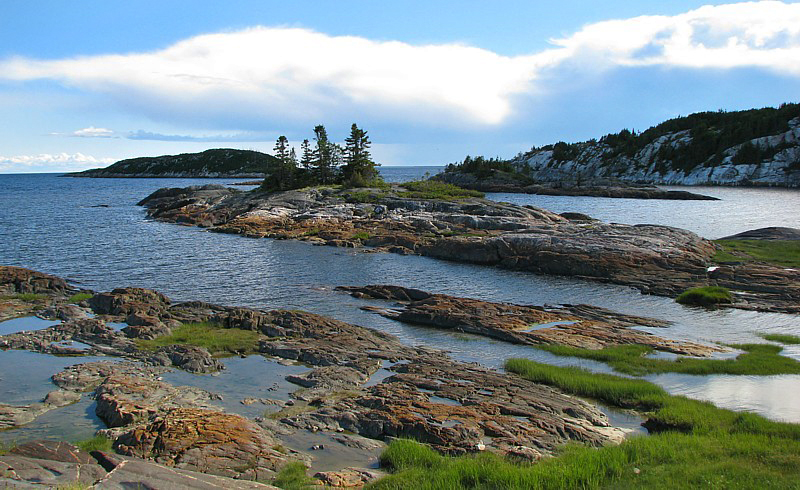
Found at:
<point>49,162</point>
<point>93,132</point>
<point>290,74</point>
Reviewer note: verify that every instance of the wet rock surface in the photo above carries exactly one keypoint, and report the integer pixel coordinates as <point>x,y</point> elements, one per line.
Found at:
<point>362,387</point>
<point>583,326</point>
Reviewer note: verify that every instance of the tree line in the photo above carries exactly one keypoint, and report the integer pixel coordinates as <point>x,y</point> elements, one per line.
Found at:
<point>323,162</point>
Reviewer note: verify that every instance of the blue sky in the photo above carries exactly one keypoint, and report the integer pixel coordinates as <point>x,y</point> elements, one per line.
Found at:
<point>85,83</point>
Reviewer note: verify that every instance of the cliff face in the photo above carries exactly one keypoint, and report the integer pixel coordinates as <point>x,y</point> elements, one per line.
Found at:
<point>672,158</point>
<point>208,164</point>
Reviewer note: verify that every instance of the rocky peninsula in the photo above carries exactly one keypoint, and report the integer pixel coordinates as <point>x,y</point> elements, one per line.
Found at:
<point>654,259</point>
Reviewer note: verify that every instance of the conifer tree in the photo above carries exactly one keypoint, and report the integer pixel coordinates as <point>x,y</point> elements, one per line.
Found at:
<point>307,156</point>
<point>359,169</point>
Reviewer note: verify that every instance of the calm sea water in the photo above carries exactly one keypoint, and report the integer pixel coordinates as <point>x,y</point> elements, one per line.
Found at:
<point>91,232</point>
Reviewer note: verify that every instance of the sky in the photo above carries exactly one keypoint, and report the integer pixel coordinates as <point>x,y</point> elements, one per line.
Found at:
<point>86,83</point>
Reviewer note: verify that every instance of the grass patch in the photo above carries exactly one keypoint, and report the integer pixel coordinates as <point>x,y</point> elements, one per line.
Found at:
<point>777,252</point>
<point>78,297</point>
<point>293,477</point>
<point>698,446</point>
<point>705,296</point>
<point>361,235</point>
<point>96,443</point>
<point>435,189</point>
<point>669,460</point>
<point>30,297</point>
<point>758,359</point>
<point>781,337</point>
<point>211,336</point>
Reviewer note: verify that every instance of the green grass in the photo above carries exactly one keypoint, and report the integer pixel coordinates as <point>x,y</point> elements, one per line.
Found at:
<point>96,443</point>
<point>758,359</point>
<point>705,296</point>
<point>777,252</point>
<point>668,460</point>
<point>781,337</point>
<point>361,235</point>
<point>213,337</point>
<point>293,477</point>
<point>30,297</point>
<point>435,189</point>
<point>697,446</point>
<point>78,297</point>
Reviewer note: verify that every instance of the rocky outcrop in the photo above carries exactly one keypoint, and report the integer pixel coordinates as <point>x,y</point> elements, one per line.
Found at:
<point>583,326</point>
<point>19,280</point>
<point>768,233</point>
<point>215,163</point>
<point>673,157</point>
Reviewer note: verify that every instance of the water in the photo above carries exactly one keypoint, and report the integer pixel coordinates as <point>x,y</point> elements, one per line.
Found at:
<point>53,224</point>
<point>738,210</point>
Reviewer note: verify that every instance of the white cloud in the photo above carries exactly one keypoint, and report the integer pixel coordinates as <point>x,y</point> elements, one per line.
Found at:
<point>288,75</point>
<point>93,132</point>
<point>48,162</point>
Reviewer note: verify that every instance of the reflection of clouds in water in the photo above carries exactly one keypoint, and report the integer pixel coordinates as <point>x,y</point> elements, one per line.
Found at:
<point>775,397</point>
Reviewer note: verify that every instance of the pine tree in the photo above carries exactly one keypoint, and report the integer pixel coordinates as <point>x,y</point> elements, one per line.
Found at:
<point>359,169</point>
<point>283,174</point>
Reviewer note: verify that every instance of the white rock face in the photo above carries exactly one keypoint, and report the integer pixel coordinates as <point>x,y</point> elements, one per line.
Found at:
<point>782,168</point>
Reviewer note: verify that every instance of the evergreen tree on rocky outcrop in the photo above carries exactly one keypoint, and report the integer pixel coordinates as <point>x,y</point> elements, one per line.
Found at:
<point>283,174</point>
<point>359,169</point>
<point>324,160</point>
<point>307,156</point>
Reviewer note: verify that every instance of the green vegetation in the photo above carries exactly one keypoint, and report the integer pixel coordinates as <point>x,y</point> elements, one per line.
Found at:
<point>784,253</point>
<point>213,337</point>
<point>361,235</point>
<point>78,297</point>
<point>712,134</point>
<point>758,359</point>
<point>705,296</point>
<point>324,163</point>
<point>435,189</point>
<point>293,477</point>
<point>697,446</point>
<point>96,443</point>
<point>30,297</point>
<point>781,337</point>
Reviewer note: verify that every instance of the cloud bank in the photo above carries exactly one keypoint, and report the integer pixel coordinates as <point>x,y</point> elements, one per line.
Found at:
<point>236,80</point>
<point>47,162</point>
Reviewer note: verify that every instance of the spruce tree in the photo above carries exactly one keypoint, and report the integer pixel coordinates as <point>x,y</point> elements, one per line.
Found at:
<point>323,161</point>
<point>359,169</point>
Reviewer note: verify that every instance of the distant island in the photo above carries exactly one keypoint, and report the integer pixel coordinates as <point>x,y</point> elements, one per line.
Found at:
<point>757,147</point>
<point>222,162</point>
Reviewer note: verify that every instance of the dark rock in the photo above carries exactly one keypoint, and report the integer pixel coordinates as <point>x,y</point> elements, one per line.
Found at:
<point>187,357</point>
<point>769,233</point>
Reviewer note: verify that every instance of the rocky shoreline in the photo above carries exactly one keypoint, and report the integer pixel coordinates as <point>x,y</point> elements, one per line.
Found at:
<point>504,182</point>
<point>361,388</point>
<point>653,259</point>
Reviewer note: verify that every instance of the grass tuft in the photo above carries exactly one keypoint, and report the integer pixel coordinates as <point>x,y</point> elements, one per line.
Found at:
<point>96,443</point>
<point>785,253</point>
<point>781,337</point>
<point>78,297</point>
<point>435,189</point>
<point>211,336</point>
<point>293,477</point>
<point>705,296</point>
<point>758,359</point>
<point>30,297</point>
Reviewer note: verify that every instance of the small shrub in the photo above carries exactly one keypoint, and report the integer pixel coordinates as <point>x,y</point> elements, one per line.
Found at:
<point>78,297</point>
<point>705,296</point>
<point>435,189</point>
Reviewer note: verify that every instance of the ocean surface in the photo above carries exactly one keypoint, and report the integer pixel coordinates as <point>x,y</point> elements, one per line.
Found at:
<point>91,232</point>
